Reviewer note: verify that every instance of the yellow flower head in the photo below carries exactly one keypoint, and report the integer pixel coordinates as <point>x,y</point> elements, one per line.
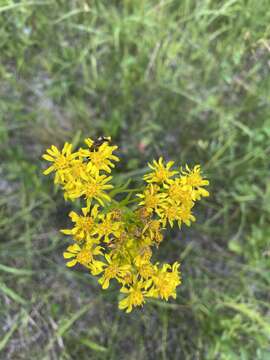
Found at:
<point>76,171</point>
<point>143,256</point>
<point>108,227</point>
<point>146,270</point>
<point>166,280</point>
<point>84,225</point>
<point>153,229</point>
<point>96,267</point>
<point>173,211</point>
<point>136,293</point>
<point>113,270</point>
<point>83,255</point>
<point>178,192</point>
<point>161,173</point>
<point>194,179</point>
<point>100,158</point>
<point>152,198</point>
<point>153,226</point>
<point>61,161</point>
<point>93,187</point>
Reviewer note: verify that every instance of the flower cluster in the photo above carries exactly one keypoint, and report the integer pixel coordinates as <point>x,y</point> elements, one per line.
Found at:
<point>114,239</point>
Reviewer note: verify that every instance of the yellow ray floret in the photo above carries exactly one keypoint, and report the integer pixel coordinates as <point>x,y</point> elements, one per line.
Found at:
<point>61,161</point>
<point>136,293</point>
<point>161,173</point>
<point>193,179</point>
<point>84,225</point>
<point>108,227</point>
<point>113,270</point>
<point>92,187</point>
<point>82,255</point>
<point>152,198</point>
<point>166,280</point>
<point>101,158</point>
<point>174,212</point>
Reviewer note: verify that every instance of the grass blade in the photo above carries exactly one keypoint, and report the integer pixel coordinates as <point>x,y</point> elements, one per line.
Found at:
<point>12,294</point>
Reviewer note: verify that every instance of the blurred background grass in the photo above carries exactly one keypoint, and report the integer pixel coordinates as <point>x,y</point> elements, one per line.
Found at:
<point>186,79</point>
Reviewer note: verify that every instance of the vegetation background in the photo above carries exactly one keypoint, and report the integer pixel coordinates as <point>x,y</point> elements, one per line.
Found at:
<point>185,79</point>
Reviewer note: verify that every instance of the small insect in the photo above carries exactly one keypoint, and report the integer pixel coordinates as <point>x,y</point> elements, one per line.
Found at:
<point>99,141</point>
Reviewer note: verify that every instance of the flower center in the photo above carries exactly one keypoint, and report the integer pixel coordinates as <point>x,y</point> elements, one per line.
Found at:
<point>61,162</point>
<point>137,297</point>
<point>84,257</point>
<point>111,271</point>
<point>91,190</point>
<point>105,227</point>
<point>172,212</point>
<point>96,158</point>
<point>151,201</point>
<point>154,225</point>
<point>86,223</point>
<point>161,174</point>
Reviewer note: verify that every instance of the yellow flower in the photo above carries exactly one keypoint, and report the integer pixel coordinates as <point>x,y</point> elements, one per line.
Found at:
<point>76,171</point>
<point>136,293</point>
<point>108,227</point>
<point>146,270</point>
<point>96,267</point>
<point>120,247</point>
<point>166,280</point>
<point>61,161</point>
<point>100,158</point>
<point>84,225</point>
<point>172,211</point>
<point>73,177</point>
<point>83,255</point>
<point>179,192</point>
<point>153,228</point>
<point>186,215</point>
<point>93,187</point>
<point>194,179</point>
<point>143,256</point>
<point>113,271</point>
<point>151,198</point>
<point>161,173</point>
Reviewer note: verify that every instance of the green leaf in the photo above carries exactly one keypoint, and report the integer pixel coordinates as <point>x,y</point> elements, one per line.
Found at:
<point>93,345</point>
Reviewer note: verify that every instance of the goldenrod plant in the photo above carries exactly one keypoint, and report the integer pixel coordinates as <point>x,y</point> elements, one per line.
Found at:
<point>114,238</point>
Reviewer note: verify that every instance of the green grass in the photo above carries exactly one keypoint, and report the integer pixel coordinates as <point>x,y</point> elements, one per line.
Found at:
<point>186,79</point>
